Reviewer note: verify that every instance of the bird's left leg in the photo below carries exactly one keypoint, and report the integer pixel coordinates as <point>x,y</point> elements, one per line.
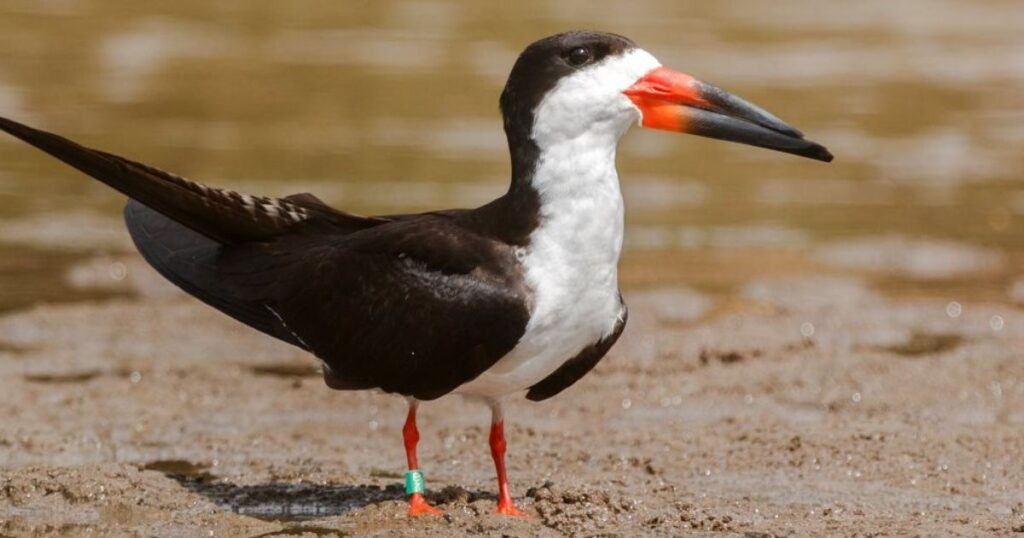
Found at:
<point>497,439</point>
<point>418,506</point>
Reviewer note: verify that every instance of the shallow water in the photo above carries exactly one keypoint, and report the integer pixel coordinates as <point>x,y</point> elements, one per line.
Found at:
<point>392,106</point>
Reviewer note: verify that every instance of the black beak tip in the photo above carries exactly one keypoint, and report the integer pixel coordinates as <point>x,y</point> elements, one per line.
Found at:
<point>819,153</point>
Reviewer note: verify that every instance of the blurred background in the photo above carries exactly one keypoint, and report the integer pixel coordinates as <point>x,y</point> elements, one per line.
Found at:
<point>392,106</point>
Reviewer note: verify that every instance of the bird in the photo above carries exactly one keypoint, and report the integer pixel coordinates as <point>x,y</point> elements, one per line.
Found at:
<point>517,297</point>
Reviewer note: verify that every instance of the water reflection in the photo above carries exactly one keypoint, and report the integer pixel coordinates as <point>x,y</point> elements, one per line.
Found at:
<point>392,106</point>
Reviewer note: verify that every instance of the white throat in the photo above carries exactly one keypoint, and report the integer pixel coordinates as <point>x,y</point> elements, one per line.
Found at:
<point>581,213</point>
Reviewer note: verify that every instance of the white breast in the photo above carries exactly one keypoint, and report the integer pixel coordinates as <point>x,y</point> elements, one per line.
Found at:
<point>571,267</point>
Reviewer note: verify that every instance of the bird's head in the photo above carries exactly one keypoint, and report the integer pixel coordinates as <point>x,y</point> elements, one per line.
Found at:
<point>594,84</point>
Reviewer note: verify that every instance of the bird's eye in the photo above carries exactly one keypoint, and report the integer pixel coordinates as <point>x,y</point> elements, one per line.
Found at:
<point>578,56</point>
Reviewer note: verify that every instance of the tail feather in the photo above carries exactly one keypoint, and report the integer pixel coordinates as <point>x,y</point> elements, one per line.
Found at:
<point>225,216</point>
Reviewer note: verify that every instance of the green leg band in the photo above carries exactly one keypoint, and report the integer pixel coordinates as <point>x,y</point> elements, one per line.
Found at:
<point>413,482</point>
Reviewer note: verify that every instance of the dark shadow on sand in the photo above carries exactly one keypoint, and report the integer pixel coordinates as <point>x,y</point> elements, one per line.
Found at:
<point>276,501</point>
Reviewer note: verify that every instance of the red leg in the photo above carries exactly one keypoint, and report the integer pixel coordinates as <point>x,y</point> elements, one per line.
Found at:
<point>417,504</point>
<point>505,504</point>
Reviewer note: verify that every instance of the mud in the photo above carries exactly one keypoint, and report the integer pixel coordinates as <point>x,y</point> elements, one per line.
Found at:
<point>771,412</point>
<point>812,350</point>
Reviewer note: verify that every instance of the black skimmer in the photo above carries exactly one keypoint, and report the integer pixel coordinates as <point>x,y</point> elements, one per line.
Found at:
<point>518,296</point>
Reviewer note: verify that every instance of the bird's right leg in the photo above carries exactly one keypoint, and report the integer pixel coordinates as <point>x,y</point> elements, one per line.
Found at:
<point>413,478</point>
<point>498,445</point>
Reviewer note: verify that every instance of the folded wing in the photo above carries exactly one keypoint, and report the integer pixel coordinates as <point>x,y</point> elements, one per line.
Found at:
<point>414,304</point>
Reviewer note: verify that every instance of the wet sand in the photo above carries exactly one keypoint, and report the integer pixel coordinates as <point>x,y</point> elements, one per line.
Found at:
<point>812,350</point>
<point>796,406</point>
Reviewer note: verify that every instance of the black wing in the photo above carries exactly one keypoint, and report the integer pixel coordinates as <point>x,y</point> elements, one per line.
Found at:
<point>191,261</point>
<point>181,227</point>
<point>414,304</point>
<point>417,306</point>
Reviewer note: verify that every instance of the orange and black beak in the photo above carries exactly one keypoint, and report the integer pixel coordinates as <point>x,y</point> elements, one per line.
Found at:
<point>675,101</point>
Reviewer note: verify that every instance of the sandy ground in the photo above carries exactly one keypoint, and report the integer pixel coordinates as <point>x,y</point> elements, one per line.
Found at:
<point>880,393</point>
<point>793,407</point>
